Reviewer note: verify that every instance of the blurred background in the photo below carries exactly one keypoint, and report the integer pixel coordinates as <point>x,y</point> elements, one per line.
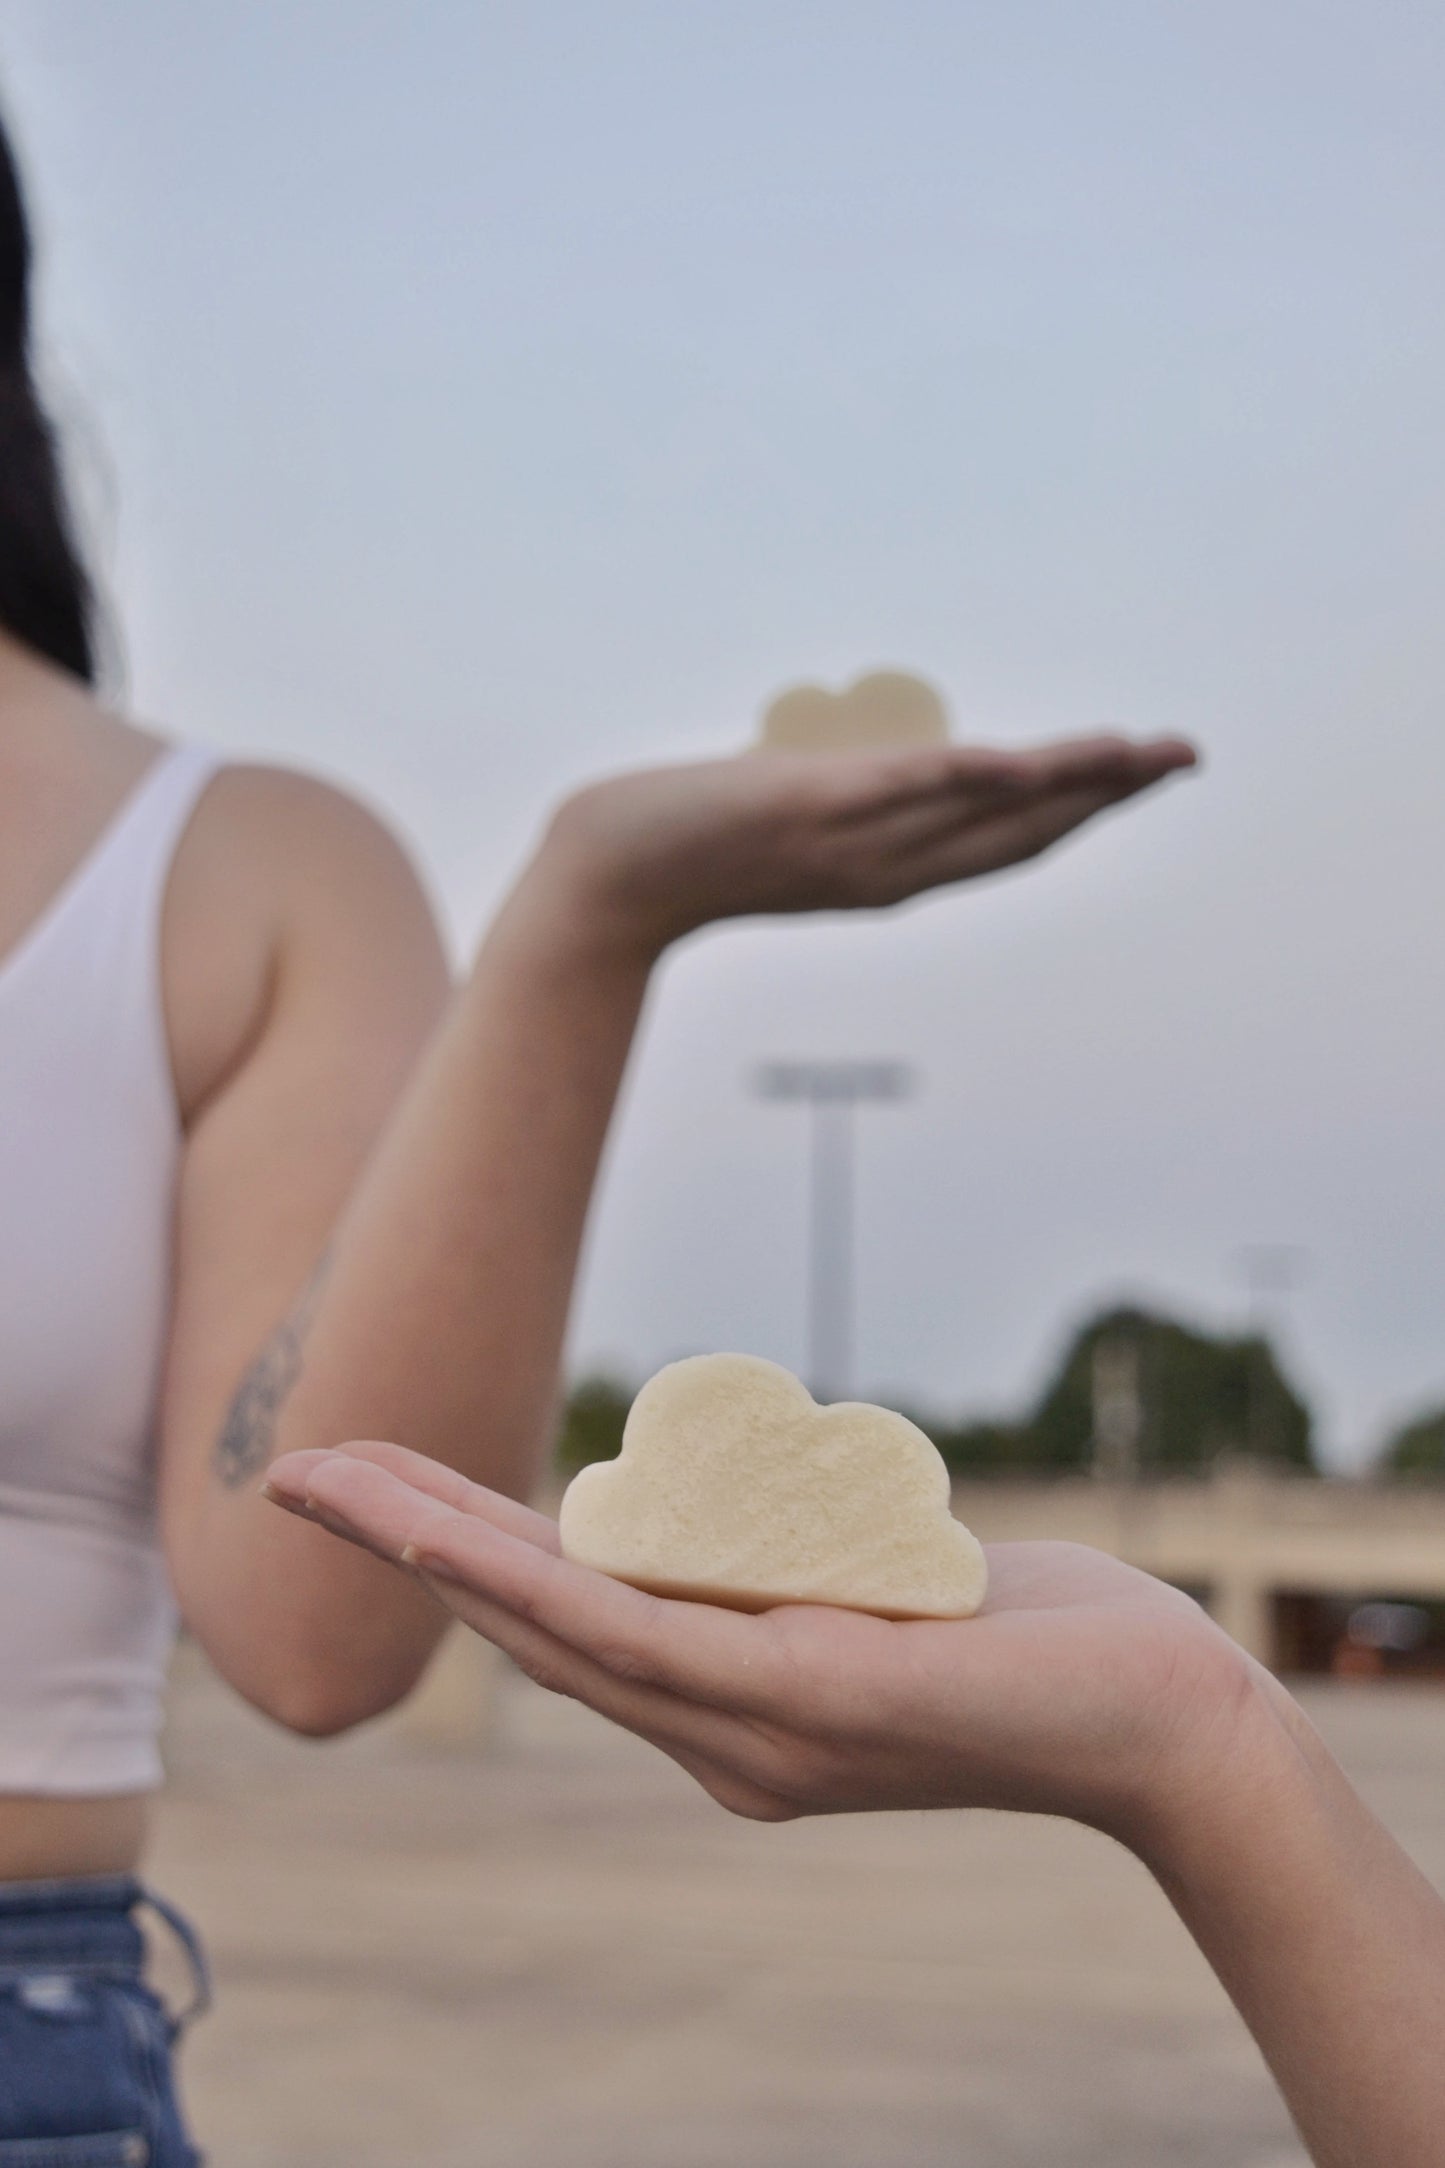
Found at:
<point>468,398</point>
<point>473,397</point>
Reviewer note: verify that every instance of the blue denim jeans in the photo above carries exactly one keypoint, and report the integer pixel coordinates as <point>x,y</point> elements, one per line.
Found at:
<point>86,2078</point>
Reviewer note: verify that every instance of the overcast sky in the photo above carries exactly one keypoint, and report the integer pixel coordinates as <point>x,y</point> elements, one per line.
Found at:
<point>468,398</point>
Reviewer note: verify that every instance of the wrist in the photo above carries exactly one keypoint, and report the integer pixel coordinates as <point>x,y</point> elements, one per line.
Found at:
<point>581,884</point>
<point>558,918</point>
<point>1236,1764</point>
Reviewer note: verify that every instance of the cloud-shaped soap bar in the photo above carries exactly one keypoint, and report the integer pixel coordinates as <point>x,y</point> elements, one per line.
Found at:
<point>886,708</point>
<point>734,1487</point>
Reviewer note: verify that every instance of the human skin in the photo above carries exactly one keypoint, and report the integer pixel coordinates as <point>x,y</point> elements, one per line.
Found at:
<point>448,1177</point>
<point>1082,1688</point>
<point>338,1099</point>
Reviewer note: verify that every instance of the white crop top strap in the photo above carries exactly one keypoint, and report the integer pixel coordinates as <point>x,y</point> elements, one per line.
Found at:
<point>90,1148</point>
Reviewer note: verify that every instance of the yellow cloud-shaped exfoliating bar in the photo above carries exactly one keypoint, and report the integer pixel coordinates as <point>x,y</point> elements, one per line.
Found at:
<point>734,1487</point>
<point>886,708</point>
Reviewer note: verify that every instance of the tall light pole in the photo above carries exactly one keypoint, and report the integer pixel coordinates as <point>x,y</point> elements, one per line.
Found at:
<point>1271,1271</point>
<point>831,1090</point>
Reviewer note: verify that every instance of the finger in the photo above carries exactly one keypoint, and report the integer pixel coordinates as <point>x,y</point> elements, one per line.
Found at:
<point>701,1651</point>
<point>735,1756</point>
<point>358,1498</point>
<point>366,1505</point>
<point>289,1482</point>
<point>948,842</point>
<point>868,791</point>
<point>1102,758</point>
<point>897,820</point>
<point>1010,838</point>
<point>452,1488</point>
<point>768,1671</point>
<point>867,788</point>
<point>1109,758</point>
<point>965,810</point>
<point>288,1476</point>
<point>386,1510</point>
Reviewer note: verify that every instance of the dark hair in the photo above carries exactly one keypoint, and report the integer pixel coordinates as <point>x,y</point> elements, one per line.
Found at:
<point>45,595</point>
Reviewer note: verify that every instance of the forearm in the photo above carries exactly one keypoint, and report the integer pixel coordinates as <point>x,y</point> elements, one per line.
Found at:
<point>1328,1940</point>
<point>455,1237</point>
<point>440,1313</point>
<point>450,1277</point>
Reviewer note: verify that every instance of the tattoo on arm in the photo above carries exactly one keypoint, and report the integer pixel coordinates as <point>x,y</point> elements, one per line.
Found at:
<point>248,1435</point>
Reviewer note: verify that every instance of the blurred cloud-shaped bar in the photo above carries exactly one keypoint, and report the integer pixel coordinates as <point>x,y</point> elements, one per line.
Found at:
<point>888,707</point>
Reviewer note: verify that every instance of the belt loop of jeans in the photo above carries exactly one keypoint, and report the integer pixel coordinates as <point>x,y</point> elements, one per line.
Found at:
<point>200,1971</point>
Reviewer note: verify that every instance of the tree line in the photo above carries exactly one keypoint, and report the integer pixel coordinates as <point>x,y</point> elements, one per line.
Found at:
<point>1134,1392</point>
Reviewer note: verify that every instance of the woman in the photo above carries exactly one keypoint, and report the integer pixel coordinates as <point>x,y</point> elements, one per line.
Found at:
<point>1082,1688</point>
<point>268,1183</point>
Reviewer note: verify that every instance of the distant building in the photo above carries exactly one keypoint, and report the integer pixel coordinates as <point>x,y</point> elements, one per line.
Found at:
<point>1306,1572</point>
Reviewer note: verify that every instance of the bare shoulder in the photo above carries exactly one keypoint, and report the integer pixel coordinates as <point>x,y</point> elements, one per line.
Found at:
<point>296,842</point>
<point>287,891</point>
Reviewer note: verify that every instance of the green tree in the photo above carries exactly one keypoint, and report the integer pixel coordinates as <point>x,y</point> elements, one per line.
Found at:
<point>982,1448</point>
<point>1199,1394</point>
<point>592,1422</point>
<point>1419,1448</point>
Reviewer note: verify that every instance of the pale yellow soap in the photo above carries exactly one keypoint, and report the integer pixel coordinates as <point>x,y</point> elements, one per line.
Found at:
<point>886,708</point>
<point>734,1487</point>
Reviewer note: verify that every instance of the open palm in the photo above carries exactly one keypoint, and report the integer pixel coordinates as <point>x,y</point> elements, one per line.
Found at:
<point>664,850</point>
<point>1065,1693</point>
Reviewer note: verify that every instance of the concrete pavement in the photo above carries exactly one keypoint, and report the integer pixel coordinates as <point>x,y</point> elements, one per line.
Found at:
<point>557,1954</point>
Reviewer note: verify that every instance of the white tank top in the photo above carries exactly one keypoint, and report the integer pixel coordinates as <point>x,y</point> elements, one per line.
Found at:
<point>89,1148</point>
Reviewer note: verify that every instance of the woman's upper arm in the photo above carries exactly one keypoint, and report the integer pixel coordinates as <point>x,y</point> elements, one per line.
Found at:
<point>303,975</point>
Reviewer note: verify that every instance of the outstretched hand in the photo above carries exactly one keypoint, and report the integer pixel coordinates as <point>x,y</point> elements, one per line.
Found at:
<point>655,854</point>
<point>1082,1687</point>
